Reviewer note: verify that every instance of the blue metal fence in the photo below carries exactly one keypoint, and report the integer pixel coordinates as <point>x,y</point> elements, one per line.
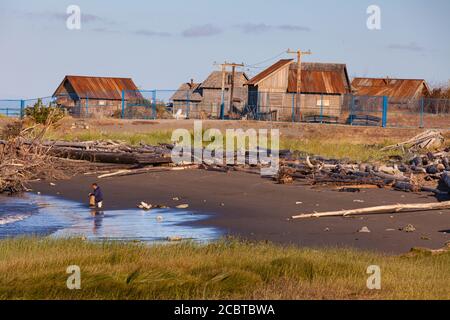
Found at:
<point>11,108</point>
<point>262,106</point>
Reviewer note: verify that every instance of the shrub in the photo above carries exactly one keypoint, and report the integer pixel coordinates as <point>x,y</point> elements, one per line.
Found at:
<point>43,114</point>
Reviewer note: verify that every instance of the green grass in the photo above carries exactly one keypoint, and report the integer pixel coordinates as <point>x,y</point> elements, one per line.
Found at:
<point>340,149</point>
<point>36,269</point>
<point>337,149</point>
<point>151,138</point>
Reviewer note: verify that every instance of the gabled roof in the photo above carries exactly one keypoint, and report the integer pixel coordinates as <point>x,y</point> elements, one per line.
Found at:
<point>104,88</point>
<point>214,80</point>
<point>189,89</point>
<point>326,78</point>
<point>398,88</point>
<point>269,71</point>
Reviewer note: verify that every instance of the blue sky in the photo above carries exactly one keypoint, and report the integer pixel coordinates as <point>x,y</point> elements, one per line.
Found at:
<point>163,43</point>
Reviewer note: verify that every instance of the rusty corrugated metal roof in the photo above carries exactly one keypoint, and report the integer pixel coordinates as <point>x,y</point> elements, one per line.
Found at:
<point>397,88</point>
<point>267,72</point>
<point>104,88</point>
<point>188,90</point>
<point>326,78</point>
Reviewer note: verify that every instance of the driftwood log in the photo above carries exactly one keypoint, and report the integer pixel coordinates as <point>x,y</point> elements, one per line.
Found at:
<point>111,157</point>
<point>424,140</point>
<point>379,210</point>
<point>129,172</point>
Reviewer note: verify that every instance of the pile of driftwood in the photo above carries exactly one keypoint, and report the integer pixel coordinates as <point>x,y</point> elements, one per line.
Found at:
<point>411,174</point>
<point>20,162</point>
<point>111,152</point>
<point>429,171</point>
<point>416,174</point>
<point>419,172</point>
<point>23,160</point>
<point>426,140</point>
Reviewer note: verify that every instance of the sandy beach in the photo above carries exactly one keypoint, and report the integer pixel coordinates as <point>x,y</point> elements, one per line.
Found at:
<point>247,206</point>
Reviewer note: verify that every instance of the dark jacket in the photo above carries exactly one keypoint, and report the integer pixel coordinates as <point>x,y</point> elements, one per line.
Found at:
<point>98,194</point>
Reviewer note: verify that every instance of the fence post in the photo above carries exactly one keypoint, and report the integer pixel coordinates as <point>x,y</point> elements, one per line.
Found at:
<point>300,105</point>
<point>257,104</point>
<point>222,106</point>
<point>352,106</point>
<point>154,104</point>
<point>123,105</point>
<point>385,111</point>
<point>22,109</point>
<point>321,108</point>
<point>188,105</point>
<point>293,108</point>
<point>422,102</point>
<point>87,106</point>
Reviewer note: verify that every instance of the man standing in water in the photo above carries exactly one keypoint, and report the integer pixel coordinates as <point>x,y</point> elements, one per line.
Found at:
<point>97,196</point>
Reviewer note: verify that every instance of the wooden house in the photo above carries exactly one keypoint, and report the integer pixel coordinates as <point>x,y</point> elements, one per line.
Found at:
<point>322,90</point>
<point>206,97</point>
<point>95,96</point>
<point>212,88</point>
<point>188,92</point>
<point>403,99</point>
<point>395,89</point>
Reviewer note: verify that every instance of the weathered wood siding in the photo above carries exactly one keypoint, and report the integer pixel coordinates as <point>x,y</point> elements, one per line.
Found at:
<point>94,108</point>
<point>272,92</point>
<point>285,105</point>
<point>277,82</point>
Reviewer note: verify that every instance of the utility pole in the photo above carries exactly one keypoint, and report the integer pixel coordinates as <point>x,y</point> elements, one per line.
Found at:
<point>222,101</point>
<point>299,54</point>
<point>233,73</point>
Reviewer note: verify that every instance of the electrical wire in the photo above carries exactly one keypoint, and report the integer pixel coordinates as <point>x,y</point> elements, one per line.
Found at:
<point>267,60</point>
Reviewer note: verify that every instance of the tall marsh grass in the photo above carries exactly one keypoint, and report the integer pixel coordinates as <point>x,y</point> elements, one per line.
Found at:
<point>35,268</point>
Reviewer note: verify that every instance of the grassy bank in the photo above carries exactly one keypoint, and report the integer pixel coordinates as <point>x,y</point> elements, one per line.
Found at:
<point>338,148</point>
<point>36,269</point>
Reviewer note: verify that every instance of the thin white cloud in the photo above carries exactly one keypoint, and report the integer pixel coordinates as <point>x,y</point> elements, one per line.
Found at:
<point>406,47</point>
<point>290,27</point>
<point>151,33</point>
<point>258,28</point>
<point>206,30</point>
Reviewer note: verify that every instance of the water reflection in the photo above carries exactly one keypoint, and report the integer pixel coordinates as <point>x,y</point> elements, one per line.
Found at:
<point>49,216</point>
<point>98,219</point>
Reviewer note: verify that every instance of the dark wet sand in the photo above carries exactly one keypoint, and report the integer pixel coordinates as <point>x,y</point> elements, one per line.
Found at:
<point>253,208</point>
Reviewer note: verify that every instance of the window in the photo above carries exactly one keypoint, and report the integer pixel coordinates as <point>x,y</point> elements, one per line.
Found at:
<point>321,102</point>
<point>101,102</point>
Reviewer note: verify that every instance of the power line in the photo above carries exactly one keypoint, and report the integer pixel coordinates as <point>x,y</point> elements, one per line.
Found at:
<point>260,67</point>
<point>267,60</point>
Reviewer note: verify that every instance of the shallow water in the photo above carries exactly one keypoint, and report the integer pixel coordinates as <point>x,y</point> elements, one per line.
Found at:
<point>49,216</point>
